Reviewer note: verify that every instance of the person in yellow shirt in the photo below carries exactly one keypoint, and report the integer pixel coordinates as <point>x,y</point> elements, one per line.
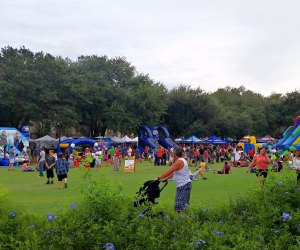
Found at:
<point>201,170</point>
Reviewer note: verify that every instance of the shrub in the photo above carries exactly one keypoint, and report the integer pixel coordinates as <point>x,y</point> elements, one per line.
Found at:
<point>106,219</point>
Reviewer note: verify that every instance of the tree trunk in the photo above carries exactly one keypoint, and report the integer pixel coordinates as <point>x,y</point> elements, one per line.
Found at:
<point>103,130</point>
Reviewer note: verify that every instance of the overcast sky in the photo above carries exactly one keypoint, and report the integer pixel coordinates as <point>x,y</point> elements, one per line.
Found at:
<point>203,43</point>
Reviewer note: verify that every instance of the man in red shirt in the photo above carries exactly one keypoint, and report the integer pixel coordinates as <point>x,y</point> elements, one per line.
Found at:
<point>251,153</point>
<point>159,154</point>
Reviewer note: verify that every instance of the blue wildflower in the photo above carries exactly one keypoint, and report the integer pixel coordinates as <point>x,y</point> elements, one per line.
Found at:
<point>47,233</point>
<point>174,238</point>
<point>167,218</point>
<point>141,215</point>
<point>108,246</point>
<point>244,211</point>
<point>277,231</point>
<point>202,241</point>
<point>50,217</point>
<point>72,206</point>
<point>205,209</point>
<point>251,218</point>
<point>198,243</point>
<point>286,216</point>
<point>279,182</point>
<point>218,232</point>
<point>12,214</point>
<point>286,193</point>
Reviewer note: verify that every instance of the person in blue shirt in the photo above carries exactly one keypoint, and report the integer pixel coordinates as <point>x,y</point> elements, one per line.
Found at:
<point>62,168</point>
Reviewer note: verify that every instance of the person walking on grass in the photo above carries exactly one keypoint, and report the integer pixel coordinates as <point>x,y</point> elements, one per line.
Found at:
<point>42,159</point>
<point>260,162</point>
<point>12,155</point>
<point>62,168</point>
<point>49,164</point>
<point>99,157</point>
<point>181,177</point>
<point>296,164</point>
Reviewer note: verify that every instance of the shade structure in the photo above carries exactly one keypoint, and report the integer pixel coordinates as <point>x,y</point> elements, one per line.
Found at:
<point>126,139</point>
<point>214,140</point>
<point>46,138</point>
<point>116,139</point>
<point>266,138</point>
<point>193,139</point>
<point>135,139</point>
<point>46,141</point>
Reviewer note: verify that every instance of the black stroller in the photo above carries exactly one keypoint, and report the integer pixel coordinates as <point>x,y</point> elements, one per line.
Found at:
<point>148,194</point>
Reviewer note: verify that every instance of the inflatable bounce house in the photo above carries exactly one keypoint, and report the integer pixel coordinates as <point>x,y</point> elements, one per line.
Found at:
<point>13,137</point>
<point>70,144</point>
<point>291,136</point>
<point>249,142</point>
<point>154,136</point>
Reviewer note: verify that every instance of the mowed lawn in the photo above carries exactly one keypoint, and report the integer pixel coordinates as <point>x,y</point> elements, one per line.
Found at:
<point>27,191</point>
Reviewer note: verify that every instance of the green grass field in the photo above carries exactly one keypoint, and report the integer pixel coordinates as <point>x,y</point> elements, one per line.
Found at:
<point>28,192</point>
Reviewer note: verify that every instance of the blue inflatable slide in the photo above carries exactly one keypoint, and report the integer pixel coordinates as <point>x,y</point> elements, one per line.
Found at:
<point>154,136</point>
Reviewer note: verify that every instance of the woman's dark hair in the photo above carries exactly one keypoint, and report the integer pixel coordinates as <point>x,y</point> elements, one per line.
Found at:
<point>178,151</point>
<point>60,155</point>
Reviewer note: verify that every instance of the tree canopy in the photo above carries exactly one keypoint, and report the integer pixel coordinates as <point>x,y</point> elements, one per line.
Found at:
<point>96,93</point>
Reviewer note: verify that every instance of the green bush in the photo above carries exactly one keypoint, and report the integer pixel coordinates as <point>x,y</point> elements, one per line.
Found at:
<point>268,219</point>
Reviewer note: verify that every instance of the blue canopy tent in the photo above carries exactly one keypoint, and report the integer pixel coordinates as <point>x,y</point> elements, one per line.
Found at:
<point>192,139</point>
<point>214,140</point>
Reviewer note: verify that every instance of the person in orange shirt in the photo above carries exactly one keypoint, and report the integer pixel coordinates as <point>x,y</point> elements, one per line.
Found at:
<point>159,154</point>
<point>260,162</point>
<point>181,177</point>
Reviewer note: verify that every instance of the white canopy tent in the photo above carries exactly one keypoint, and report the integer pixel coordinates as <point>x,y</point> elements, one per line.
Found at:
<point>116,139</point>
<point>65,138</point>
<point>135,139</point>
<point>125,139</point>
<point>45,141</point>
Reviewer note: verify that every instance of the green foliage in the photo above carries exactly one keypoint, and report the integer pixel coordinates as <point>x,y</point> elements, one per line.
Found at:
<point>95,93</point>
<point>268,219</point>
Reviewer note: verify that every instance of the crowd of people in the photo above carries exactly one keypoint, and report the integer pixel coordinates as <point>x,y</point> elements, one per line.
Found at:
<point>186,156</point>
<point>181,159</point>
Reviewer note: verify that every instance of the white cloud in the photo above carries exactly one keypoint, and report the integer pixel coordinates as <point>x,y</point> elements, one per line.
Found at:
<point>210,44</point>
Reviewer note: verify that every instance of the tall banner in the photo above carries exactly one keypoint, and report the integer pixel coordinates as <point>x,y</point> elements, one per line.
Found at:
<point>129,166</point>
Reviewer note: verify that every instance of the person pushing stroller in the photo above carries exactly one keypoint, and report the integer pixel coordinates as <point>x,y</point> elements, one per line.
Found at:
<point>181,177</point>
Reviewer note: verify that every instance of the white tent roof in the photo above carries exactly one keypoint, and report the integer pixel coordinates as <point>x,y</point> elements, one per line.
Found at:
<point>46,138</point>
<point>135,139</point>
<point>116,139</point>
<point>65,138</point>
<point>46,141</point>
<point>126,139</point>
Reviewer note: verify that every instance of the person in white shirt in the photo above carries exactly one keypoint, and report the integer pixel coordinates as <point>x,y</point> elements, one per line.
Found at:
<point>99,157</point>
<point>296,164</point>
<point>42,159</point>
<point>181,177</point>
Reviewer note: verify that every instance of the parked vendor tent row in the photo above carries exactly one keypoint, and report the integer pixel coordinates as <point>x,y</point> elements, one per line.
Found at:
<point>124,139</point>
<point>52,143</point>
<point>193,139</point>
<point>47,141</point>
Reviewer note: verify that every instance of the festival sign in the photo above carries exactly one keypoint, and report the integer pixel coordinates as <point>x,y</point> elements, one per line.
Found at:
<point>129,166</point>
